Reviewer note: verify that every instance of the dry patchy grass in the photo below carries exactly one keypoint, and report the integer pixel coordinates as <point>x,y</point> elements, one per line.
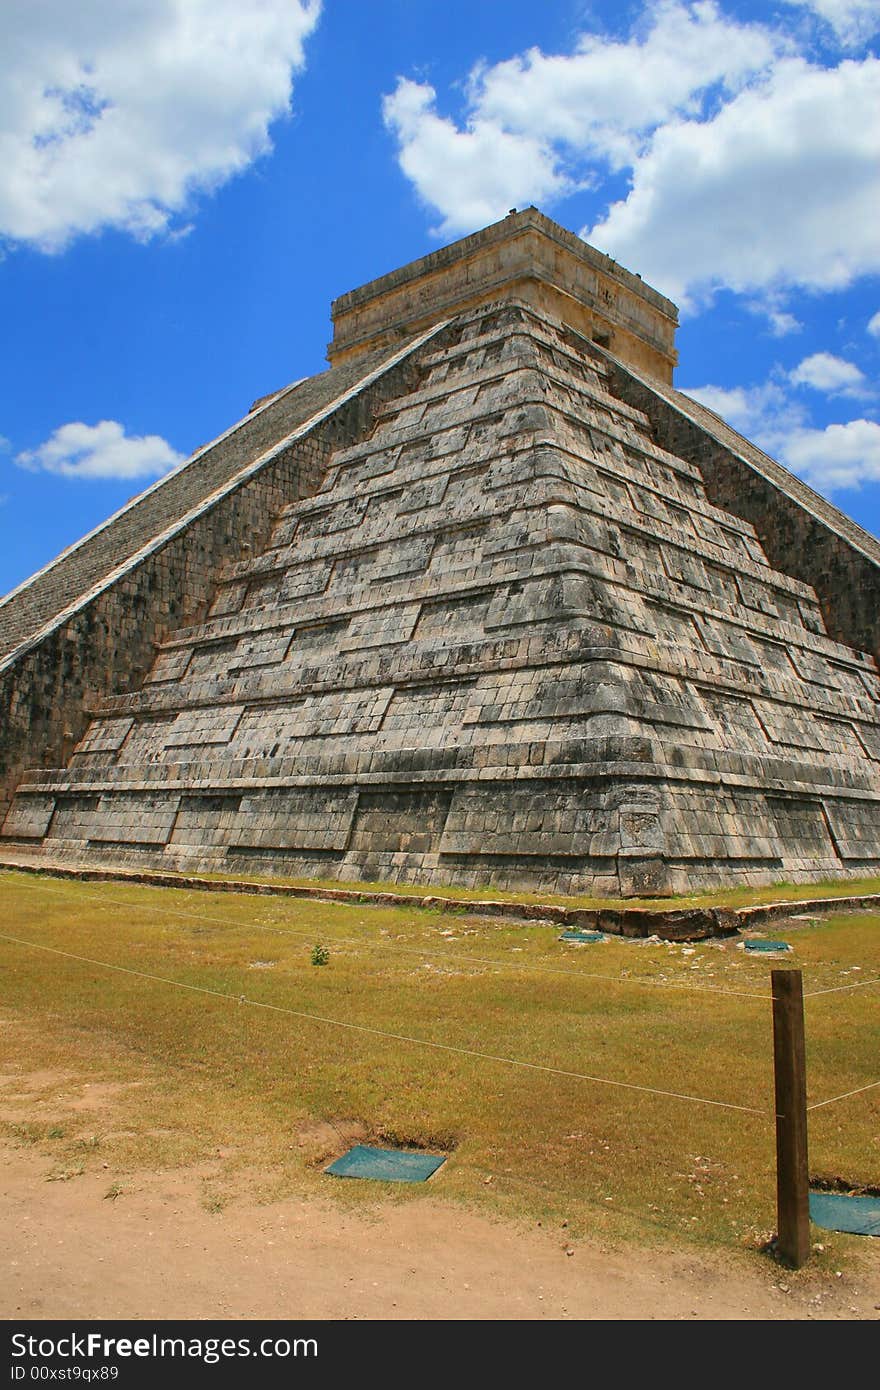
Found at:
<point>119,1069</point>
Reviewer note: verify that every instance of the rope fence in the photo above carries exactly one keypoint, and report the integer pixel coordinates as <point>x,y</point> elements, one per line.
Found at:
<point>818,1104</point>
<point>382,1033</point>
<point>522,967</point>
<point>789,1111</point>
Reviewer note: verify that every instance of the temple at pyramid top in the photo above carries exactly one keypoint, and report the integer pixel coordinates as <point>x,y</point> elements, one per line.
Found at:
<point>489,601</point>
<point>525,257</point>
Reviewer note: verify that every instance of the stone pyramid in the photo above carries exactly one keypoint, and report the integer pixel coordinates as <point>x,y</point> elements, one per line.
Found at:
<point>488,603</point>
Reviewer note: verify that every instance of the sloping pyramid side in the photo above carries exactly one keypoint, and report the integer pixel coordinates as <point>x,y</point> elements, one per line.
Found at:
<point>509,641</point>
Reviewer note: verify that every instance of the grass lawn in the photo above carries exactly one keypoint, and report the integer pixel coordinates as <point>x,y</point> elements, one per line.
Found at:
<point>177,1075</point>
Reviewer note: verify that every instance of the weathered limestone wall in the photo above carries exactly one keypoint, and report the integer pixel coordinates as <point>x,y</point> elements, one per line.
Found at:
<point>509,640</point>
<point>63,584</point>
<point>801,533</point>
<point>524,257</point>
<point>495,604</point>
<point>107,645</point>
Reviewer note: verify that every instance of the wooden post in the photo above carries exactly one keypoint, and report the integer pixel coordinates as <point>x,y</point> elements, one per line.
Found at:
<point>792,1171</point>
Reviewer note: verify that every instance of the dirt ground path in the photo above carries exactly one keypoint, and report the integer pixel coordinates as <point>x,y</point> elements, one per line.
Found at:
<point>66,1251</point>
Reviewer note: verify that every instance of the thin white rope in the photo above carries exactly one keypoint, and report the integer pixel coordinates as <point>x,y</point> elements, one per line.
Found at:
<point>839,989</point>
<point>381,1033</point>
<point>639,981</point>
<point>817,1105</point>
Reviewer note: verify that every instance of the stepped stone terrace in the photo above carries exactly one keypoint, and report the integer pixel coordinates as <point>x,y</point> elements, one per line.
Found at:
<point>487,602</point>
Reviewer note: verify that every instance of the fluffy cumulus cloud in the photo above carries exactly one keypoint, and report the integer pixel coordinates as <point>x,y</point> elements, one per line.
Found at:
<point>836,457</point>
<point>779,188</point>
<point>763,413</point>
<point>103,451</point>
<point>607,94</point>
<point>472,176</point>
<point>830,459</point>
<point>114,115</point>
<point>750,166</point>
<point>536,120</point>
<point>832,375</point>
<point>874,325</point>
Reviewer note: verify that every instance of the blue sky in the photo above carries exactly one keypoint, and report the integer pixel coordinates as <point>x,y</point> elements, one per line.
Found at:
<point>186,184</point>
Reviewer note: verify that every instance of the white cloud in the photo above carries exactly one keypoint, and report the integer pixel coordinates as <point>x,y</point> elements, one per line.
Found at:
<point>780,188</point>
<point>830,459</point>
<point>853,21</point>
<point>764,413</point>
<point>840,456</point>
<point>536,119</point>
<point>114,115</point>
<point>608,92</point>
<point>104,450</point>
<point>783,323</point>
<point>472,176</point>
<point>833,375</point>
<point>751,168</point>
<point>874,325</point>
<point>780,321</point>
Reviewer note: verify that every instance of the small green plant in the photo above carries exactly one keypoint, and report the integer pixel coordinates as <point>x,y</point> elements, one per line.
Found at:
<point>320,954</point>
<point>27,1133</point>
<point>65,1174</point>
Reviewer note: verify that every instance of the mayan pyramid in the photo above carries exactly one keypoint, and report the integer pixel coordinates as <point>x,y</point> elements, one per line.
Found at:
<point>488,602</point>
